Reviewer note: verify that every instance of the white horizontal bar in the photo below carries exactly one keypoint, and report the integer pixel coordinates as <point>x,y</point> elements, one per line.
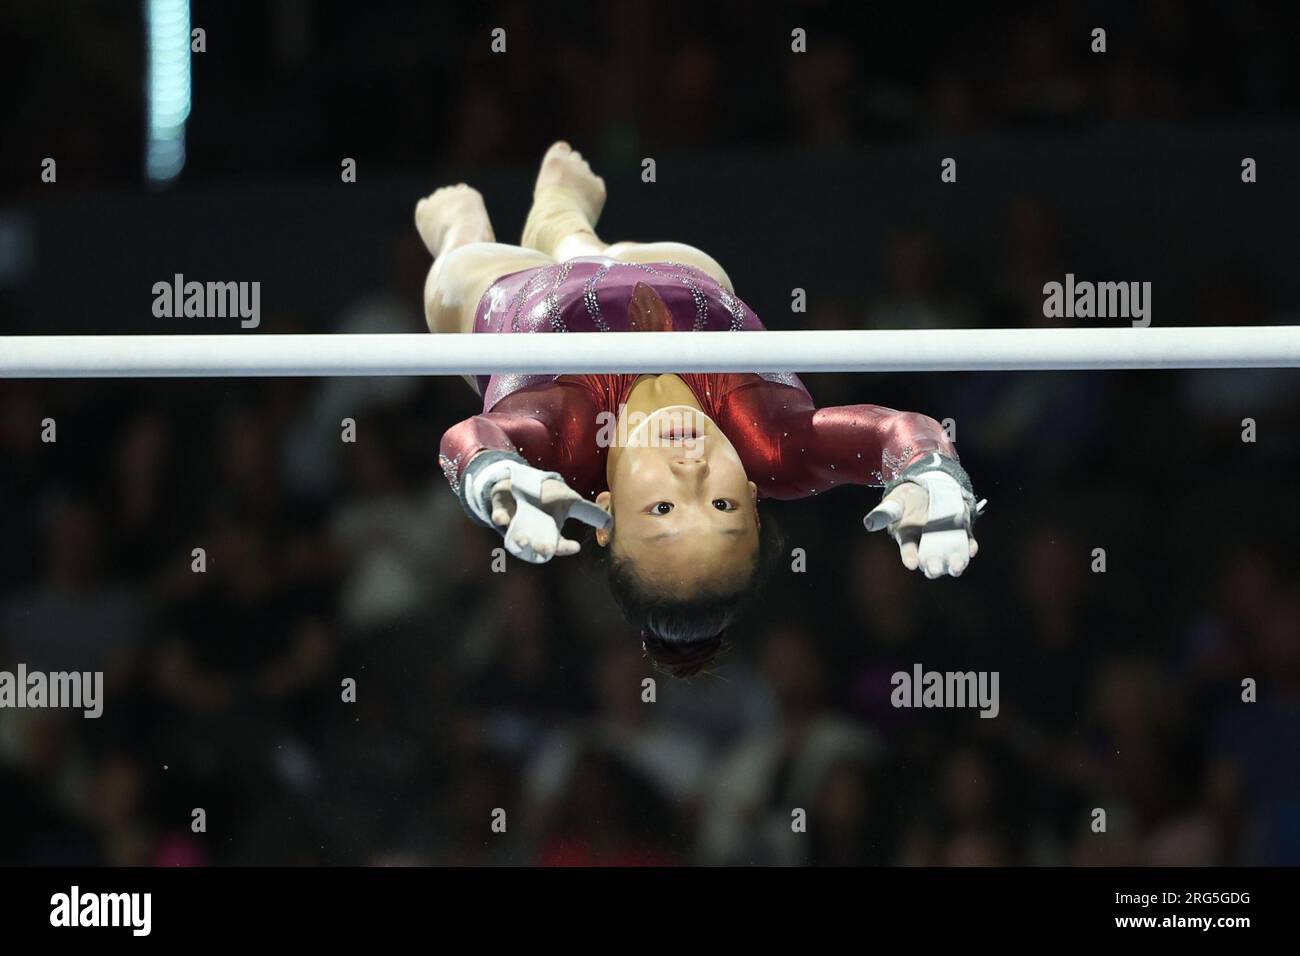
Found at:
<point>251,354</point>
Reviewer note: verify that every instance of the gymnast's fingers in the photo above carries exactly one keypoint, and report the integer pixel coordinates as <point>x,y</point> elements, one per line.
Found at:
<point>909,551</point>
<point>944,552</point>
<point>546,543</point>
<point>906,504</point>
<point>502,506</point>
<point>883,515</point>
<point>554,491</point>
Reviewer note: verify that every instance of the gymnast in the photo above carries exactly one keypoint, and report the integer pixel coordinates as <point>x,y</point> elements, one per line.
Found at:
<point>673,492</point>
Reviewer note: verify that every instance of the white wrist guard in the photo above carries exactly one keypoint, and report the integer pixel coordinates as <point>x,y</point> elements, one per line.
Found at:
<point>483,473</point>
<point>952,504</point>
<point>532,523</point>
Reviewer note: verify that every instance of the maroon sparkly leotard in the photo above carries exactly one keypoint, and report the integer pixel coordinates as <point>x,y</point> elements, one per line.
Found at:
<point>790,448</point>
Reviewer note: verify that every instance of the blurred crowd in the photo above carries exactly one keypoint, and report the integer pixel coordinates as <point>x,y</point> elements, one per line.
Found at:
<point>231,563</point>
<point>396,84</point>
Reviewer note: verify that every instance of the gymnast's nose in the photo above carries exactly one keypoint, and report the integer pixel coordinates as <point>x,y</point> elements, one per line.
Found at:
<point>696,468</point>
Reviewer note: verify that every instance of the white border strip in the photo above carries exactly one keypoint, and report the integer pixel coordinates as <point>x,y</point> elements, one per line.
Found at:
<point>250,354</point>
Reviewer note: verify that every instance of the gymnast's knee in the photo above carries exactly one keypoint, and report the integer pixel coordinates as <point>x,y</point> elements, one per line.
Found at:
<point>458,278</point>
<point>443,292</point>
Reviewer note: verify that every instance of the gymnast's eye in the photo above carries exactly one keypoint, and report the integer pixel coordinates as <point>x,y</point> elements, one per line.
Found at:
<point>661,507</point>
<point>724,504</point>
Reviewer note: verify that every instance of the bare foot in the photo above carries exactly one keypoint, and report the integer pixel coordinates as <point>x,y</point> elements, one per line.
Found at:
<point>564,166</point>
<point>452,216</point>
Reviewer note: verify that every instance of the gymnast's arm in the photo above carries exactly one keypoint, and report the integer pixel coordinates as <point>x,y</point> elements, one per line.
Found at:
<point>791,449</point>
<point>514,468</point>
<point>491,435</point>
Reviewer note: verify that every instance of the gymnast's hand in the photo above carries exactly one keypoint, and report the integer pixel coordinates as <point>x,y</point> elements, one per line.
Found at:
<point>527,505</point>
<point>534,532</point>
<point>930,517</point>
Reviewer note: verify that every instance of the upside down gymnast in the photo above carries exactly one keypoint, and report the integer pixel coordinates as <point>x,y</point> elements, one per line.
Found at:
<point>673,490</point>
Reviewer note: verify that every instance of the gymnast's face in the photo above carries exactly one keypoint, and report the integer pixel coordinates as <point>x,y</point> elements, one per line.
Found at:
<point>684,510</point>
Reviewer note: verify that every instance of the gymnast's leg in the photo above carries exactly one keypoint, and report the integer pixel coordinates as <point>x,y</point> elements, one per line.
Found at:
<point>454,225</point>
<point>567,201</point>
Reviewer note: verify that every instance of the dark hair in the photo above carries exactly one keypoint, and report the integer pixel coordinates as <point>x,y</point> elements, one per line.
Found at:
<point>682,636</point>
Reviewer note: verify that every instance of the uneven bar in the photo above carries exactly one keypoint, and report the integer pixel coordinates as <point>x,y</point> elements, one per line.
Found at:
<point>255,355</point>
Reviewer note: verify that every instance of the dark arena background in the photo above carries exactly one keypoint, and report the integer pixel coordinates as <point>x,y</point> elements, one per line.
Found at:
<point>1136,587</point>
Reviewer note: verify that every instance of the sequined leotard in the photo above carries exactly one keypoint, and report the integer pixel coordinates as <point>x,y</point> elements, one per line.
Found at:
<point>790,448</point>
